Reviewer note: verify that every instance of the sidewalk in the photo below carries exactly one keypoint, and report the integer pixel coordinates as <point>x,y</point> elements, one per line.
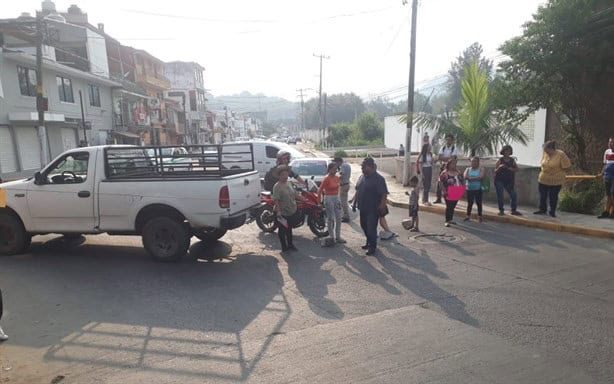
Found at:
<point>587,225</point>
<point>579,224</point>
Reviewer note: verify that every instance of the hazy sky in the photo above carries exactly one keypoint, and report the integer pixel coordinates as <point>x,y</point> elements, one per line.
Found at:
<point>267,45</point>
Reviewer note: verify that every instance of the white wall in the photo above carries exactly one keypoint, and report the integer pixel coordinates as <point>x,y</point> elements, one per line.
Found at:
<point>535,129</point>
<point>394,134</point>
<point>97,54</point>
<point>530,154</point>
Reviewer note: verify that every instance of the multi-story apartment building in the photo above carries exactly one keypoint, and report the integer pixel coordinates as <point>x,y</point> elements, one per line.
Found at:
<point>68,89</point>
<point>187,87</point>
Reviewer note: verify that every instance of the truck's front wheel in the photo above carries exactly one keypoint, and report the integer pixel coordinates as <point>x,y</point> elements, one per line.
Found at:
<point>165,239</point>
<point>13,237</point>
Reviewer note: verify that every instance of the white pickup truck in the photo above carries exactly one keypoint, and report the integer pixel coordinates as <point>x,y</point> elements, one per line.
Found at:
<point>127,190</point>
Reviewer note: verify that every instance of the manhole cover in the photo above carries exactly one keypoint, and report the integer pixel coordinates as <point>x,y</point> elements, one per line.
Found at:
<point>434,238</point>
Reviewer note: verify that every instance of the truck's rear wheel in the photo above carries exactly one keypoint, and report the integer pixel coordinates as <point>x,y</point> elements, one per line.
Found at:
<point>210,234</point>
<point>13,237</point>
<point>165,239</point>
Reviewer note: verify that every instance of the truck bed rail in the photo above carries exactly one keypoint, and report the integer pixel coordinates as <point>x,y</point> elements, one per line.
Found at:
<point>192,161</point>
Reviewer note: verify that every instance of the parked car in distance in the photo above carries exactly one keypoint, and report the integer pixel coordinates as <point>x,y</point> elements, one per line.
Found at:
<point>291,140</point>
<point>313,168</point>
<point>265,154</point>
<point>173,159</point>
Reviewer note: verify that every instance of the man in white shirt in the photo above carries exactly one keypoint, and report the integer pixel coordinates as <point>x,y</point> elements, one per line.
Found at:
<point>445,153</point>
<point>345,172</point>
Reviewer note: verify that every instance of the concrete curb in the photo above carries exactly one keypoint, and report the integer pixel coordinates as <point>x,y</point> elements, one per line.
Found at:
<point>551,226</point>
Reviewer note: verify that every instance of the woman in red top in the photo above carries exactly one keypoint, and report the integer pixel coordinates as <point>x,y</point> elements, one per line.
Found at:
<point>330,189</point>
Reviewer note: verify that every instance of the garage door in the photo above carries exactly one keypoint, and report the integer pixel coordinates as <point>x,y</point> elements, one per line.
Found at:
<point>69,138</point>
<point>29,148</point>
<point>8,161</point>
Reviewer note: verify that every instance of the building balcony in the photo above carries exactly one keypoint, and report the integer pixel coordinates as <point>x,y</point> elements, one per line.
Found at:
<point>147,80</point>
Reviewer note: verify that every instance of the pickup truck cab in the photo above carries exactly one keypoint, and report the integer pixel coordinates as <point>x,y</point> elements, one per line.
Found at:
<point>127,190</point>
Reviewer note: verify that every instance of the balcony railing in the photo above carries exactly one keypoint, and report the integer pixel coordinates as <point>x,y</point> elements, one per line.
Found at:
<point>160,82</point>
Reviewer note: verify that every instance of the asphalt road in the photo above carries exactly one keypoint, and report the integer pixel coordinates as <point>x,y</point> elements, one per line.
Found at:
<point>476,303</point>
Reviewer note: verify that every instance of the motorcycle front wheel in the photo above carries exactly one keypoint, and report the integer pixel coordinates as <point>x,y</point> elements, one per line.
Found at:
<point>265,218</point>
<point>317,223</point>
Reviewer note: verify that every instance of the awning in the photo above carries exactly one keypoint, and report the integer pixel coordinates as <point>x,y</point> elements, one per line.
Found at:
<point>125,134</point>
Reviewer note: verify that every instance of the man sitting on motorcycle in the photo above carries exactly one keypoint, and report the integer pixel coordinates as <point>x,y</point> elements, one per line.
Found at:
<point>283,158</point>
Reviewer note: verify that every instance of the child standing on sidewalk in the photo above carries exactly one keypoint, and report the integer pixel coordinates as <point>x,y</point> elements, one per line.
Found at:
<point>330,189</point>
<point>413,205</point>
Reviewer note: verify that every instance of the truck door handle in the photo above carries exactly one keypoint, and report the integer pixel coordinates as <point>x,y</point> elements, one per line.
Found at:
<point>83,194</point>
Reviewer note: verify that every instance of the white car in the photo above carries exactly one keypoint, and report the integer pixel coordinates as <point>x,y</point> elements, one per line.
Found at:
<point>265,154</point>
<point>313,168</point>
<point>173,158</point>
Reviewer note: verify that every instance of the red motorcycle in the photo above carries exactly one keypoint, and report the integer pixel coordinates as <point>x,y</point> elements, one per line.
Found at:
<point>309,209</point>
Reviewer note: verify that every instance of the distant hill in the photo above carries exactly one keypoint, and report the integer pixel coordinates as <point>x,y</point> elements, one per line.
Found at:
<point>277,108</point>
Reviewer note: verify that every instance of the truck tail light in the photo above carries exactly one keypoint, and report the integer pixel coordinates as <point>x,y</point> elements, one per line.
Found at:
<point>224,197</point>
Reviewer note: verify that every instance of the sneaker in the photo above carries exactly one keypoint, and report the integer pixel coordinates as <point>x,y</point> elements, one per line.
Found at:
<point>291,247</point>
<point>340,241</point>
<point>447,224</point>
<point>453,222</point>
<point>604,215</point>
<point>516,213</point>
<point>467,218</point>
<point>3,336</point>
<point>501,213</point>
<point>345,220</point>
<point>371,252</point>
<point>480,219</point>
<point>365,247</point>
<point>552,214</point>
<point>540,212</point>
<point>438,201</point>
<point>414,230</point>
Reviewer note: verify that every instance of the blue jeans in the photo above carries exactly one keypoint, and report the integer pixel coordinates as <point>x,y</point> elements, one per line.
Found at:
<point>368,223</point>
<point>500,186</point>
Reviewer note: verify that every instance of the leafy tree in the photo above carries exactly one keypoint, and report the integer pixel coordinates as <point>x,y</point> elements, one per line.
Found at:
<point>340,108</point>
<point>564,61</point>
<point>369,126</point>
<point>472,54</point>
<point>478,127</point>
<point>339,133</point>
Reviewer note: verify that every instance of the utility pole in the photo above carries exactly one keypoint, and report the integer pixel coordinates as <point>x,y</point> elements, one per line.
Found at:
<point>301,90</point>
<point>83,118</point>
<point>321,56</point>
<point>410,93</point>
<point>324,120</point>
<point>40,101</point>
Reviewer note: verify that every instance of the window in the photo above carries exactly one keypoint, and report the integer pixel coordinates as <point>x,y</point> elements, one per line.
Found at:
<point>193,100</point>
<point>65,89</point>
<point>70,169</point>
<point>27,81</point>
<point>94,95</point>
<point>271,152</point>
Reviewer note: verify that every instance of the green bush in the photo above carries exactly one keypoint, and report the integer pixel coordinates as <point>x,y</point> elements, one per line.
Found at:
<point>341,154</point>
<point>584,197</point>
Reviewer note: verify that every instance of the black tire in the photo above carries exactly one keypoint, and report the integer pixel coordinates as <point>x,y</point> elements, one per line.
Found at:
<point>210,234</point>
<point>317,223</point>
<point>165,239</point>
<point>13,236</point>
<point>266,219</point>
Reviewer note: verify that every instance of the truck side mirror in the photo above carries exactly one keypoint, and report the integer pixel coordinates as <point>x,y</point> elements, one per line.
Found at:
<point>39,179</point>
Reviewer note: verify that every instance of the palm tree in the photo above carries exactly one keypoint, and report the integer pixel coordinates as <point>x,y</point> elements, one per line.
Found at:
<point>478,128</point>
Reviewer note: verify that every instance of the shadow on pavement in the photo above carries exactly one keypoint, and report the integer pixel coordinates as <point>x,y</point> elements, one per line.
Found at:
<point>398,267</point>
<point>110,307</point>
